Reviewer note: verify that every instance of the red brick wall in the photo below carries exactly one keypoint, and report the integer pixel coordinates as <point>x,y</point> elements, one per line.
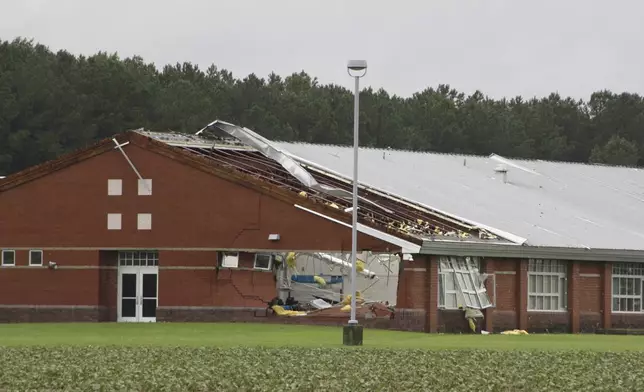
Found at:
<point>237,287</point>
<point>412,295</point>
<point>28,285</point>
<point>412,286</point>
<point>504,315</point>
<point>89,278</point>
<point>42,286</point>
<point>189,208</point>
<point>589,295</point>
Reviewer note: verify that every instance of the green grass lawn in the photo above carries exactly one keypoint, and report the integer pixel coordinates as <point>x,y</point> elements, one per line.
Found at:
<point>275,335</point>
<point>256,357</point>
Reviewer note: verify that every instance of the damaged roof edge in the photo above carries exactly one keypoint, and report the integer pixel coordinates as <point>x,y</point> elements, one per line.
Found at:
<point>290,162</point>
<point>269,150</point>
<point>456,248</point>
<point>406,246</point>
<point>454,218</point>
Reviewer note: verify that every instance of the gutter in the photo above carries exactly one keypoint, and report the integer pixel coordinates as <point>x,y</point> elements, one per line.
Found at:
<point>454,248</point>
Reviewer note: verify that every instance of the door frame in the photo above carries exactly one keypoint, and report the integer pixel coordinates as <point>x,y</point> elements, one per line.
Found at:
<point>139,271</point>
<point>148,270</point>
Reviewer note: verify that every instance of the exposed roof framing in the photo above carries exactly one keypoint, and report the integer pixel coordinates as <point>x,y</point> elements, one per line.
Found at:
<point>376,209</point>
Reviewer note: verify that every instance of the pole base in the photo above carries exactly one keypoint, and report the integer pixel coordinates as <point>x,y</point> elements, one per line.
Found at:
<point>352,335</point>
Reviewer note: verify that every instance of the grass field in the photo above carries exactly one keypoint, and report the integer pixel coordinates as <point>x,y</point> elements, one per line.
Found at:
<point>248,357</point>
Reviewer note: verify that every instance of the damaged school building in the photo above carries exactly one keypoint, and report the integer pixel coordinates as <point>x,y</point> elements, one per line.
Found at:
<point>219,225</point>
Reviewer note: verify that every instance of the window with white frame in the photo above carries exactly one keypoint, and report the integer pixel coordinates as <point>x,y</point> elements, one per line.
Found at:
<point>139,258</point>
<point>461,284</point>
<point>8,257</point>
<point>230,259</point>
<point>547,285</point>
<point>263,261</point>
<point>35,257</point>
<point>627,287</point>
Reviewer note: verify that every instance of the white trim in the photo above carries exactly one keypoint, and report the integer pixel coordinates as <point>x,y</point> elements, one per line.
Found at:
<point>144,221</point>
<point>14,257</point>
<point>114,187</point>
<point>638,278</point>
<point>138,271</point>
<point>561,277</point>
<point>144,187</point>
<point>548,311</point>
<point>407,247</point>
<point>270,261</point>
<point>128,248</point>
<point>120,148</point>
<point>42,261</point>
<point>468,284</point>
<point>234,255</point>
<point>114,221</point>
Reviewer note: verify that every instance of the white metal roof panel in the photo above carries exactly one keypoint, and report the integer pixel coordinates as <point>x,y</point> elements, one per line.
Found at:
<point>548,203</point>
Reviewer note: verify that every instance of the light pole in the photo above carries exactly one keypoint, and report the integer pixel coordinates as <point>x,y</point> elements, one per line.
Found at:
<point>352,334</point>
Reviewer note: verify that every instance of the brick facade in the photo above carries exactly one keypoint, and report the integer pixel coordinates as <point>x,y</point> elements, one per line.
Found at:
<point>194,213</point>
<point>589,300</point>
<point>190,209</point>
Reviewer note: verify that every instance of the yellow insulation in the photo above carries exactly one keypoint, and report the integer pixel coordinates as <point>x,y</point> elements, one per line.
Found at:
<point>280,311</point>
<point>290,260</point>
<point>515,332</point>
<point>319,280</point>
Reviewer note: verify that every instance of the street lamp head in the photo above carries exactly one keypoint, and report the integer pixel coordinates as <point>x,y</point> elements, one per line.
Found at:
<point>357,66</point>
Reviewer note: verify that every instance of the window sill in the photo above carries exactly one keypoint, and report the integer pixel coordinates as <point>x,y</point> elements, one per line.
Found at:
<point>244,269</point>
<point>548,311</point>
<point>634,312</point>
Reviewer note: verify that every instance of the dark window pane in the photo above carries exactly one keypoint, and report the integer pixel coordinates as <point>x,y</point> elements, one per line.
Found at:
<point>149,285</point>
<point>128,307</point>
<point>128,285</point>
<point>8,257</point>
<point>35,257</point>
<point>149,308</point>
<point>262,261</point>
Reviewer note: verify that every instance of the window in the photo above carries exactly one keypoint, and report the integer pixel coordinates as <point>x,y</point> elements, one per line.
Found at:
<point>8,257</point>
<point>139,258</point>
<point>113,221</point>
<point>35,257</point>
<point>263,261</point>
<point>460,283</point>
<point>144,221</point>
<point>114,187</point>
<point>627,287</point>
<point>547,285</point>
<point>145,187</point>
<point>230,260</point>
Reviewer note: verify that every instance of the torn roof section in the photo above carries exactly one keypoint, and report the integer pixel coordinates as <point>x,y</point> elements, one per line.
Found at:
<point>266,161</point>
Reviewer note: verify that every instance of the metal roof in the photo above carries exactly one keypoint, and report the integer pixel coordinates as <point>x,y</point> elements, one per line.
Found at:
<point>543,203</point>
<point>399,222</point>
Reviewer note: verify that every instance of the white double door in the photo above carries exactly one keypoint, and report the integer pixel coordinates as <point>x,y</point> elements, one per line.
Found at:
<point>138,294</point>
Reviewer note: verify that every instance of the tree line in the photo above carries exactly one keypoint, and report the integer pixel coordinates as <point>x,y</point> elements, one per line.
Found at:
<point>51,103</point>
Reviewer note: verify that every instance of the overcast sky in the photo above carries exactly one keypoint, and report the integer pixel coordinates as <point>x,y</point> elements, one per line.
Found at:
<point>502,47</point>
